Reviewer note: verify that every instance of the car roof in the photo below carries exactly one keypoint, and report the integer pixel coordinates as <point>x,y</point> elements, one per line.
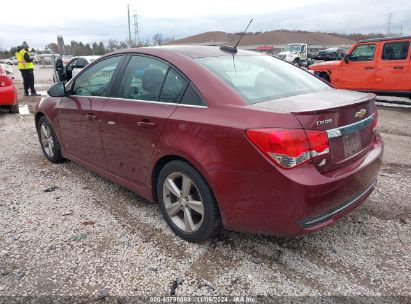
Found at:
<point>192,51</point>
<point>91,57</point>
<point>385,39</point>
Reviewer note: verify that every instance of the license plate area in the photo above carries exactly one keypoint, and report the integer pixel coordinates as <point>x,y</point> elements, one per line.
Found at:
<point>352,144</point>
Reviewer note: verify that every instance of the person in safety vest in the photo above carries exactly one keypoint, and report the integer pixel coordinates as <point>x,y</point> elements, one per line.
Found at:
<point>25,65</point>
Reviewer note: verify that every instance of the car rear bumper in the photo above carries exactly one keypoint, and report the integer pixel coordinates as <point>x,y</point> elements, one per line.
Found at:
<point>8,96</point>
<point>296,201</point>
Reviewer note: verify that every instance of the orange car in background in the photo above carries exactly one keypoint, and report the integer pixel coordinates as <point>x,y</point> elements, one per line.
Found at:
<point>381,66</point>
<point>8,95</point>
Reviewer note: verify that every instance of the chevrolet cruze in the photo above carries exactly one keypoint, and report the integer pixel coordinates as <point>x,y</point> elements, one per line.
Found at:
<point>218,138</point>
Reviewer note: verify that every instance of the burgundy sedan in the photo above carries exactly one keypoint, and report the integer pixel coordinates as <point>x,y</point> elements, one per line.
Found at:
<point>218,137</point>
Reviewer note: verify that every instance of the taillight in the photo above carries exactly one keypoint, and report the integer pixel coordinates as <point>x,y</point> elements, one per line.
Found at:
<point>375,120</point>
<point>289,148</point>
<point>5,81</point>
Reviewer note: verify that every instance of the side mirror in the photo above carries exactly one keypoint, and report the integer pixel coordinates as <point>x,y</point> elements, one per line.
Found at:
<point>57,90</point>
<point>346,58</point>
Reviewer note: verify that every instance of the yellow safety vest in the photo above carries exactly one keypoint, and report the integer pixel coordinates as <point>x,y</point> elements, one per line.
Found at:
<point>21,63</point>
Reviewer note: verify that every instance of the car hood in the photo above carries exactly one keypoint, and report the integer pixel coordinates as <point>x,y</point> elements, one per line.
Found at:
<point>329,65</point>
<point>286,53</point>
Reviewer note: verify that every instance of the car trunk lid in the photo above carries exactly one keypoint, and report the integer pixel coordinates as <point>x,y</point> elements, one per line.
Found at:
<point>346,116</point>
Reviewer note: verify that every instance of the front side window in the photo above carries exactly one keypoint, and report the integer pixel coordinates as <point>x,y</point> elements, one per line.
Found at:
<point>395,50</point>
<point>142,79</point>
<point>363,52</point>
<point>293,47</point>
<point>262,78</point>
<point>95,80</point>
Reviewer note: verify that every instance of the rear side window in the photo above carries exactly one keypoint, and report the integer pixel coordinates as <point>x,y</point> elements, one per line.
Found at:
<point>395,50</point>
<point>173,88</point>
<point>363,52</point>
<point>142,79</point>
<point>192,97</point>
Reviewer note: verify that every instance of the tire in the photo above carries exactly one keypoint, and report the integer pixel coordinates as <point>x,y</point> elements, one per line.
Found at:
<point>49,141</point>
<point>179,205</point>
<point>14,109</point>
<point>297,62</point>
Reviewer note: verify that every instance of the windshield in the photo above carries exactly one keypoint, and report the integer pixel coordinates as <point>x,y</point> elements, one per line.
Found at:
<point>293,47</point>
<point>262,78</point>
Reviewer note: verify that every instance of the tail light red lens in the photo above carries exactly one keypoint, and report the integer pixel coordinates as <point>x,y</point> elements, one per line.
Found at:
<point>289,148</point>
<point>375,120</point>
<point>5,81</point>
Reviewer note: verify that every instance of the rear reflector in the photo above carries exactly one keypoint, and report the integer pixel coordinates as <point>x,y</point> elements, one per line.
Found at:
<point>289,148</point>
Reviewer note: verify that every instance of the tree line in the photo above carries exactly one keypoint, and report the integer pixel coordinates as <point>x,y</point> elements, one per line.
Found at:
<point>78,48</point>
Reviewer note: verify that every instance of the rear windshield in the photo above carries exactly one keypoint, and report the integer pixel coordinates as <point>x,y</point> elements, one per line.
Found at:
<point>262,78</point>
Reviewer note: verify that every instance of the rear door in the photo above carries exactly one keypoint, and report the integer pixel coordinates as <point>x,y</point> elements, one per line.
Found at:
<point>359,72</point>
<point>79,114</point>
<point>147,93</point>
<point>393,65</point>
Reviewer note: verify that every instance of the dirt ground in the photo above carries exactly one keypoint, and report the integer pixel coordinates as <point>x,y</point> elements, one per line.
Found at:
<point>86,236</point>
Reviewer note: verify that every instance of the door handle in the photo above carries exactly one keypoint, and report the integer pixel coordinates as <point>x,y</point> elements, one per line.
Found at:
<point>91,116</point>
<point>398,67</point>
<point>369,68</point>
<point>146,124</point>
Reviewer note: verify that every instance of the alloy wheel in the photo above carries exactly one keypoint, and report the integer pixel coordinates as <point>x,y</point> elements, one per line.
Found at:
<point>183,202</point>
<point>47,140</point>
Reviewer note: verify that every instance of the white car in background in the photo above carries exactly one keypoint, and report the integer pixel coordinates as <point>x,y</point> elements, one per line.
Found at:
<point>10,61</point>
<point>63,73</point>
<point>8,69</point>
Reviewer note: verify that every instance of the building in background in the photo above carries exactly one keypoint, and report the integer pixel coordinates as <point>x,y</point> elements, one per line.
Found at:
<point>60,44</point>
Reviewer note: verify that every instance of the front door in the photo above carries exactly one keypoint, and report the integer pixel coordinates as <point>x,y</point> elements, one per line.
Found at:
<point>79,114</point>
<point>393,66</point>
<point>135,116</point>
<point>359,72</point>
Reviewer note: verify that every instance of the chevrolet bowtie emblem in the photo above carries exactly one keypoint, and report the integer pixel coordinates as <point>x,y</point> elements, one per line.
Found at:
<point>361,113</point>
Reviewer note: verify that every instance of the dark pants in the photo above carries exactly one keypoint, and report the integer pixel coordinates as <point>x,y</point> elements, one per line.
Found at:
<point>28,81</point>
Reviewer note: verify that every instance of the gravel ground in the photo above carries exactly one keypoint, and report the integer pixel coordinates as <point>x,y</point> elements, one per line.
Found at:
<point>65,231</point>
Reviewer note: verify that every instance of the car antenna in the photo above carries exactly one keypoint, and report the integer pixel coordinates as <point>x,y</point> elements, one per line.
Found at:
<point>228,48</point>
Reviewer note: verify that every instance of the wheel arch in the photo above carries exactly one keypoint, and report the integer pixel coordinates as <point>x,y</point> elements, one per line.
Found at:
<point>165,159</point>
<point>37,117</point>
<point>325,74</point>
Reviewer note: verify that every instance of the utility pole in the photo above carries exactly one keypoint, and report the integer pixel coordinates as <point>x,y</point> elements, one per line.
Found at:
<point>389,23</point>
<point>136,33</point>
<point>129,28</point>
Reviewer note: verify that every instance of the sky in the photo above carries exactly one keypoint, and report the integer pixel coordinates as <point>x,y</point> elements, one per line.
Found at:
<point>90,21</point>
